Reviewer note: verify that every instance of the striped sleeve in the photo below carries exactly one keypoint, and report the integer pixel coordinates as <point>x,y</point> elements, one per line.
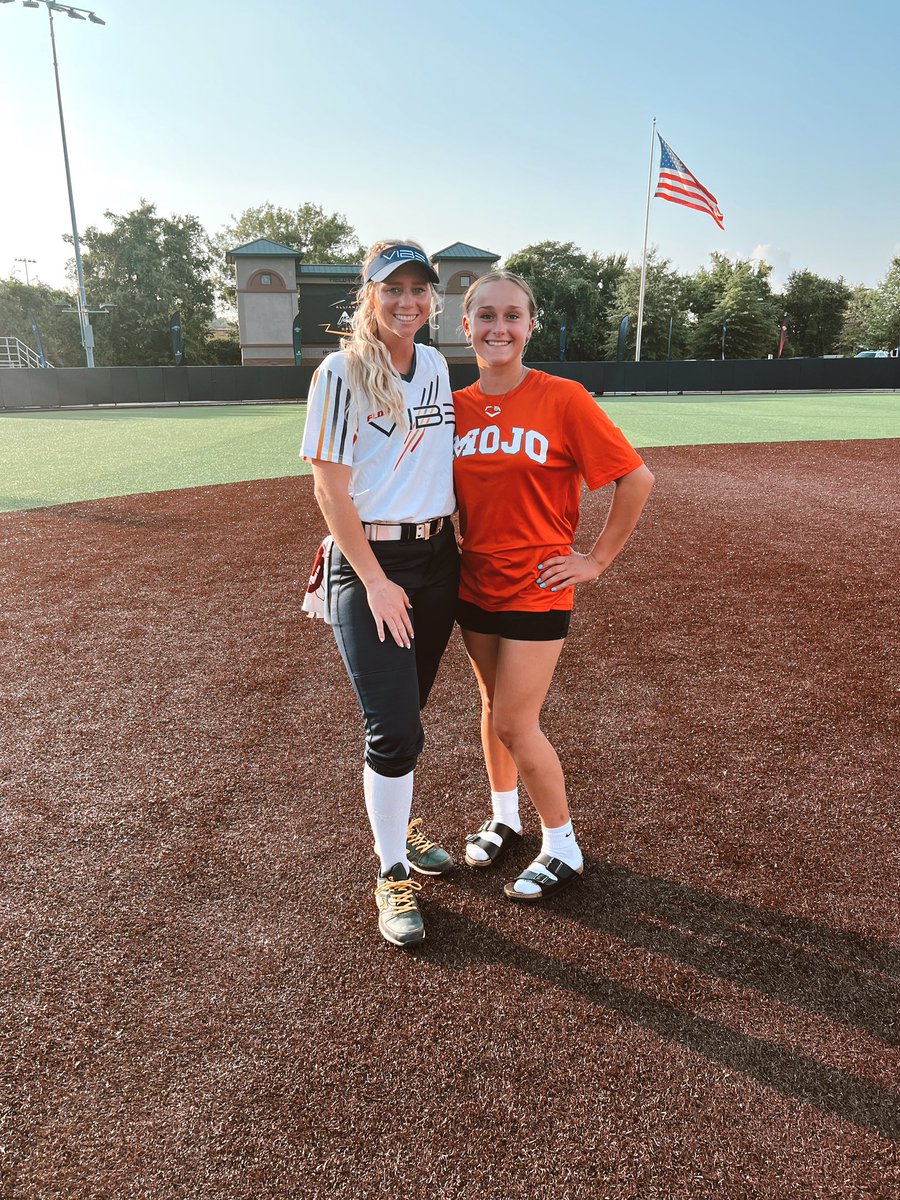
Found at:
<point>328,435</point>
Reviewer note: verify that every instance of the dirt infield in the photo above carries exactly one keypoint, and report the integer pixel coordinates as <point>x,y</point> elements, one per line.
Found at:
<point>195,999</point>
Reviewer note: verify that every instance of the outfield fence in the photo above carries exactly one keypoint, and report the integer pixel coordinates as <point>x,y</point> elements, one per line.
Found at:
<point>69,387</point>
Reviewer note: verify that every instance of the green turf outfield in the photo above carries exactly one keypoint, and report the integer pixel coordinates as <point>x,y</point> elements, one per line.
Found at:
<point>59,457</point>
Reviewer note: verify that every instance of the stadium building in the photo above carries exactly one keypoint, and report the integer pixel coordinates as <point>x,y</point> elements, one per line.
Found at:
<point>288,308</point>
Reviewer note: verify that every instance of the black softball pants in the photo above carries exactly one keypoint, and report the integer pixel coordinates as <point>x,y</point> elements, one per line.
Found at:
<point>392,683</point>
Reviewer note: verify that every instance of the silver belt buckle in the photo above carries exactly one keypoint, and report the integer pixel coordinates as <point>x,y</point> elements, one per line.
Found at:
<point>422,529</point>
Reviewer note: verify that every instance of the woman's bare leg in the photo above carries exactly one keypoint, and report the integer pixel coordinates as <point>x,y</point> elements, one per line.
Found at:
<point>483,649</point>
<point>514,678</point>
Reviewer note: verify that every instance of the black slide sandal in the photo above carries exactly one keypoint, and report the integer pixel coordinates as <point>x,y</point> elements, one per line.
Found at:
<point>564,874</point>
<point>491,848</point>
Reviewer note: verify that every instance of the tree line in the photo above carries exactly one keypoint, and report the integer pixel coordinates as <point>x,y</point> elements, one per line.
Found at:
<point>728,305</point>
<point>146,266</point>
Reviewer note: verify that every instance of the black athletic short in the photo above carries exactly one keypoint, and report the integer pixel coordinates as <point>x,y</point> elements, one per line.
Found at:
<point>514,624</point>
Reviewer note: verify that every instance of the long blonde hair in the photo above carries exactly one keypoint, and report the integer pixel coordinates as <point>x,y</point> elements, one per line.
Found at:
<point>373,378</point>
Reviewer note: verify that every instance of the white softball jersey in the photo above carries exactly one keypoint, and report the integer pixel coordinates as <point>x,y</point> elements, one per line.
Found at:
<point>395,475</point>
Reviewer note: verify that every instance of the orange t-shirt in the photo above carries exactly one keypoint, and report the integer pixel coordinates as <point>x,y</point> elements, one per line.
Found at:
<point>518,466</point>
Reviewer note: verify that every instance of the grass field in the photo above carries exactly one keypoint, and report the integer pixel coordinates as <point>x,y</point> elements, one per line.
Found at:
<point>52,458</point>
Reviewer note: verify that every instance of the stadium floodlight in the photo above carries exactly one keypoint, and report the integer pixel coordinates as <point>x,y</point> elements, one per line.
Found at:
<point>78,14</point>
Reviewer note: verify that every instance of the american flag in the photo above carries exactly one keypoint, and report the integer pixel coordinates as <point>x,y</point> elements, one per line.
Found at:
<point>681,186</point>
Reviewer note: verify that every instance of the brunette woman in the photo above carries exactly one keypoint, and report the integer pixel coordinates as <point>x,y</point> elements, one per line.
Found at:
<point>525,442</point>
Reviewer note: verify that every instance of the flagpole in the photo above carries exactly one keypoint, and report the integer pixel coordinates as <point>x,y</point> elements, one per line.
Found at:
<point>640,318</point>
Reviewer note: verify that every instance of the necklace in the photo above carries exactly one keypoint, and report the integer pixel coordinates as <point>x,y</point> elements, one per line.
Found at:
<point>493,409</point>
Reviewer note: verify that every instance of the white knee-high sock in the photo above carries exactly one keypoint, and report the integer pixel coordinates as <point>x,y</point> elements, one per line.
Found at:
<point>389,803</point>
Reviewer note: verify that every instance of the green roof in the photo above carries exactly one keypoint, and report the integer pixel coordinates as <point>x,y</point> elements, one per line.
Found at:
<point>461,250</point>
<point>263,248</point>
<point>345,270</point>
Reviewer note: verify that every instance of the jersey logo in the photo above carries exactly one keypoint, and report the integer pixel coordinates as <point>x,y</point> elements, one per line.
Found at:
<point>427,414</point>
<point>492,410</point>
<point>489,441</point>
<point>373,420</point>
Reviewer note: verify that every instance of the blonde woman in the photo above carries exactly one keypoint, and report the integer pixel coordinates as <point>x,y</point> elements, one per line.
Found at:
<point>379,436</point>
<point>525,443</point>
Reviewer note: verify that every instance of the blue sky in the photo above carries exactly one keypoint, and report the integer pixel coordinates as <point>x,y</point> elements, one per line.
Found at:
<point>497,125</point>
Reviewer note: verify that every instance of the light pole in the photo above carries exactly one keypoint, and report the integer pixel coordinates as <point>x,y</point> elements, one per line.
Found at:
<point>77,14</point>
<point>26,261</point>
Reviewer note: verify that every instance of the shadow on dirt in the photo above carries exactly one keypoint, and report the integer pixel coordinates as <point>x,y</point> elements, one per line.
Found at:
<point>846,978</point>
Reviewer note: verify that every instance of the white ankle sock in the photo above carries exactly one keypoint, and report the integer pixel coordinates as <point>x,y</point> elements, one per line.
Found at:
<point>389,803</point>
<point>560,843</point>
<point>505,808</point>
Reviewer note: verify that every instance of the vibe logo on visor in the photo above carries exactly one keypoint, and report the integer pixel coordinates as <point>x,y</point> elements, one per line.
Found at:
<point>396,256</point>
